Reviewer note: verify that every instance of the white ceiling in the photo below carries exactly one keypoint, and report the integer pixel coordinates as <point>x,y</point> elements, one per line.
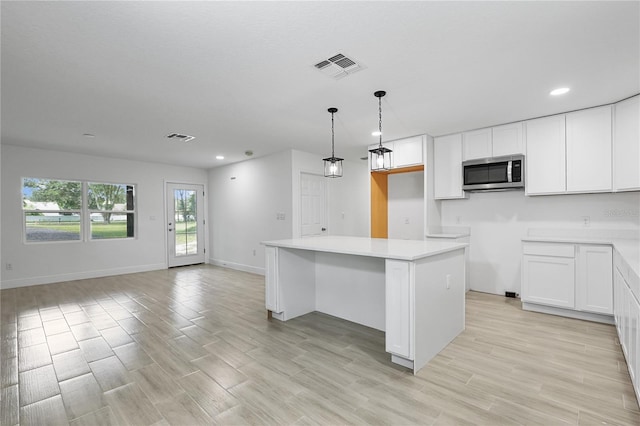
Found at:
<point>240,75</point>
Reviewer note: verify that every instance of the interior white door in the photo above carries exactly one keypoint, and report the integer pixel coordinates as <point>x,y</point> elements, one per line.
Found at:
<point>313,191</point>
<point>185,224</point>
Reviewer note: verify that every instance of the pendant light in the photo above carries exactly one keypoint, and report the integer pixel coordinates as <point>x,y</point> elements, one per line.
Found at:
<point>333,164</point>
<point>380,156</point>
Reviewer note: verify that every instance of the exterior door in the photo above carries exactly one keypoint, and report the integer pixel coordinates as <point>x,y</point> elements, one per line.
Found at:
<point>313,190</point>
<point>185,224</point>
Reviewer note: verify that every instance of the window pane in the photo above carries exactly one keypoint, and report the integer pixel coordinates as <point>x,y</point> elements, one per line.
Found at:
<point>52,226</point>
<point>110,197</point>
<point>48,194</point>
<point>186,242</point>
<point>111,225</point>
<point>111,200</point>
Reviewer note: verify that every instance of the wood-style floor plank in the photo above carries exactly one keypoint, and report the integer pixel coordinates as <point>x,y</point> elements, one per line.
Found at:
<point>193,345</point>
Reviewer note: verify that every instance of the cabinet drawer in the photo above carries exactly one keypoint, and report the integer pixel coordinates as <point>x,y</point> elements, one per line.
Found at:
<point>555,250</point>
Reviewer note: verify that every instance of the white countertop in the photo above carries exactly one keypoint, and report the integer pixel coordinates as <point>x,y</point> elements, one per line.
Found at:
<point>629,249</point>
<point>371,247</point>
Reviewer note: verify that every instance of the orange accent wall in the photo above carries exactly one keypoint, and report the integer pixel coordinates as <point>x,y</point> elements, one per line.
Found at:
<point>379,198</point>
<point>379,218</point>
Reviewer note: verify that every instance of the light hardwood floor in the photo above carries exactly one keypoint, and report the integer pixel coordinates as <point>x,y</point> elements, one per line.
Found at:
<point>193,346</point>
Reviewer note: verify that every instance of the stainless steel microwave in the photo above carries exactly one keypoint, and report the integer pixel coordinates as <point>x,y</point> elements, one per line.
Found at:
<point>493,174</point>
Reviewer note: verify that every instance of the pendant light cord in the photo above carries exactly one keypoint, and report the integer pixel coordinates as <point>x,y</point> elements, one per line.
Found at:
<point>380,119</point>
<point>332,136</point>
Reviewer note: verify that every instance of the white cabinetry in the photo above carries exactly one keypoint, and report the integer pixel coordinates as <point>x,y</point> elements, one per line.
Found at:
<point>588,141</point>
<point>595,274</point>
<point>476,144</point>
<point>272,290</point>
<point>507,139</point>
<point>626,310</point>
<point>626,145</point>
<point>407,152</point>
<point>548,274</point>
<point>545,158</point>
<point>398,308</point>
<point>573,277</point>
<point>447,167</point>
<point>404,152</point>
<point>493,142</point>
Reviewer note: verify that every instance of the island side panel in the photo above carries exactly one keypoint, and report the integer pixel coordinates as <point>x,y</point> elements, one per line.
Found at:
<point>439,304</point>
<point>296,283</point>
<point>351,287</point>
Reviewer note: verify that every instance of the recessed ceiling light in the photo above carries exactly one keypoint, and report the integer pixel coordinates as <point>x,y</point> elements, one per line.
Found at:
<point>376,133</point>
<point>219,157</point>
<point>559,91</point>
<point>88,135</point>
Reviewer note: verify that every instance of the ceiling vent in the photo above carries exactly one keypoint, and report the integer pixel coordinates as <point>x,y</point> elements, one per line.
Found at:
<point>338,66</point>
<point>180,137</point>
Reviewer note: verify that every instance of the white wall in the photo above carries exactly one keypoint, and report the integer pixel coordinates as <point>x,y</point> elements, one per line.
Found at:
<point>405,204</point>
<point>243,211</point>
<point>347,197</point>
<point>498,220</point>
<point>39,263</point>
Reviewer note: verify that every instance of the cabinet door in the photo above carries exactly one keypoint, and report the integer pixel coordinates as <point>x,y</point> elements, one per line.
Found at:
<point>548,280</point>
<point>507,140</point>
<point>272,293</point>
<point>447,166</point>
<point>594,286</point>
<point>634,336</point>
<point>407,152</point>
<point>589,150</point>
<point>618,283</point>
<point>476,144</point>
<point>398,308</point>
<point>545,158</point>
<point>626,145</point>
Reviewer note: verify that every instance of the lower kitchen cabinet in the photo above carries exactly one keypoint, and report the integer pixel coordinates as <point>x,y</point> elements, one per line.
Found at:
<point>627,317</point>
<point>548,279</point>
<point>595,274</point>
<point>573,277</point>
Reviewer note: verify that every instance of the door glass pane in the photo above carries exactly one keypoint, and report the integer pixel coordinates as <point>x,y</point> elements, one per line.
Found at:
<point>186,226</point>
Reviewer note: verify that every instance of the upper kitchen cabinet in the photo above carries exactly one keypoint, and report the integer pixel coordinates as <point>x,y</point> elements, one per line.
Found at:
<point>588,141</point>
<point>626,145</point>
<point>405,152</point>
<point>447,167</point>
<point>545,167</point>
<point>507,140</point>
<point>476,144</point>
<point>408,152</point>
<point>493,142</point>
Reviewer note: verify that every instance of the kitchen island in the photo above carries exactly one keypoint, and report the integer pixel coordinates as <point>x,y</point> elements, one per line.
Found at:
<point>413,290</point>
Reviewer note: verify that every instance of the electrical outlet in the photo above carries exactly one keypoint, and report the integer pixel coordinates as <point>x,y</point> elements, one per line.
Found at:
<point>406,220</point>
<point>458,220</point>
<point>586,221</point>
<point>254,252</point>
<point>448,281</point>
<point>8,266</point>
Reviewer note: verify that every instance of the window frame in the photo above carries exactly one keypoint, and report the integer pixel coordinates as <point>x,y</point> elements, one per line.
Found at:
<point>89,212</point>
<point>84,212</point>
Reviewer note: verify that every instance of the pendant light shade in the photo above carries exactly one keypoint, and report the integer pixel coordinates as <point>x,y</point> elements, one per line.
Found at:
<point>380,155</point>
<point>333,164</point>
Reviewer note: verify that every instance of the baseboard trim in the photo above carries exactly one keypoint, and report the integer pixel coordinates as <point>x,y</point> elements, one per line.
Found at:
<point>236,266</point>
<point>587,316</point>
<point>50,279</point>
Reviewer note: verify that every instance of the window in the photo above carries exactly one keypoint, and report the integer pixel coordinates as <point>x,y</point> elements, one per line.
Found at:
<point>52,209</point>
<point>111,210</point>
<point>60,210</point>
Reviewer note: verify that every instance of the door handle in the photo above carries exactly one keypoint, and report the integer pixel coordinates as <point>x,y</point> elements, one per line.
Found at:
<point>324,229</point>
<point>170,229</point>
